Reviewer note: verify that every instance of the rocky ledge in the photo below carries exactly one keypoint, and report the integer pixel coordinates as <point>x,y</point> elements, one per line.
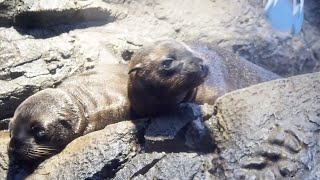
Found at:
<point>44,42</point>
<point>266,131</point>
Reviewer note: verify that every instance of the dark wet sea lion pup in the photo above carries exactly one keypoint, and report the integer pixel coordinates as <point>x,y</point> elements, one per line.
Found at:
<point>48,120</point>
<point>168,72</point>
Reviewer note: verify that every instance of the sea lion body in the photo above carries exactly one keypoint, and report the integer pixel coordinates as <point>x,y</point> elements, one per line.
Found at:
<point>47,121</point>
<point>150,92</point>
<point>228,72</point>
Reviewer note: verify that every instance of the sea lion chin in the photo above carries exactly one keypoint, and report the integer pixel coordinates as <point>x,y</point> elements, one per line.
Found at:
<point>47,121</point>
<point>163,75</point>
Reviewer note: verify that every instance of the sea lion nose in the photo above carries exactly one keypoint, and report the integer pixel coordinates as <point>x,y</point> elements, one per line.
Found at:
<point>15,143</point>
<point>202,67</point>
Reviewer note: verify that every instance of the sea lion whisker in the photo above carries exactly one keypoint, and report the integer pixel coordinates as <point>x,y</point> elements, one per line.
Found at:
<point>41,152</point>
<point>178,82</point>
<point>46,148</point>
<point>34,154</point>
<point>31,156</point>
<point>28,156</point>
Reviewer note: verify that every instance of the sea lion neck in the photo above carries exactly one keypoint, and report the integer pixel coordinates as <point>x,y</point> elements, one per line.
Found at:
<point>146,101</point>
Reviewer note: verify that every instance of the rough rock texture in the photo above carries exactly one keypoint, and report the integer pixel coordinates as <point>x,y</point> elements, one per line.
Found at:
<point>183,130</point>
<point>43,42</point>
<point>266,131</point>
<point>165,166</point>
<point>43,59</point>
<point>4,160</point>
<point>270,130</point>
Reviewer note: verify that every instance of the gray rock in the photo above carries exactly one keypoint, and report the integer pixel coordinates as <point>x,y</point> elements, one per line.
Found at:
<point>52,40</point>
<point>167,126</point>
<point>139,165</point>
<point>4,160</point>
<point>96,155</point>
<point>197,137</point>
<point>266,131</point>
<point>178,131</point>
<point>29,64</point>
<point>165,166</point>
<point>8,10</point>
<point>270,129</point>
<point>238,26</point>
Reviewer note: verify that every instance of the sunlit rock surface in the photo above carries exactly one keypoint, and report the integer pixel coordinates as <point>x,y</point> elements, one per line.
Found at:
<point>267,131</point>
<point>43,42</point>
<point>4,159</point>
<point>270,130</point>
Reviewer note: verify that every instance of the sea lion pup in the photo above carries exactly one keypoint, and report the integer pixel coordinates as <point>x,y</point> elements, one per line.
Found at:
<point>47,121</point>
<point>163,75</point>
<point>167,73</point>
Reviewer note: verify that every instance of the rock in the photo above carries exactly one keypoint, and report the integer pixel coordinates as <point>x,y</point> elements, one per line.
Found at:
<point>139,165</point>
<point>4,124</point>
<point>96,155</point>
<point>238,26</point>
<point>267,131</point>
<point>47,14</point>
<point>4,160</point>
<point>270,129</point>
<point>52,40</point>
<point>183,130</point>
<point>197,137</point>
<point>164,132</point>
<point>8,10</point>
<point>165,166</point>
<point>30,65</point>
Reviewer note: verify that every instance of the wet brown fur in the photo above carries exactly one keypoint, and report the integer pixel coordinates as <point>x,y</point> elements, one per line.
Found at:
<point>80,105</point>
<point>227,72</point>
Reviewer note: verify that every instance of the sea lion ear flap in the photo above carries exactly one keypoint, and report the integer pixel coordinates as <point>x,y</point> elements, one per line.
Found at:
<point>135,68</point>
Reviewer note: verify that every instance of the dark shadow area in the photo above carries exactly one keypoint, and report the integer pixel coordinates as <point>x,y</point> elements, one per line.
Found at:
<point>5,22</point>
<point>21,170</point>
<point>109,170</point>
<point>175,145</point>
<point>50,23</point>
<point>183,130</point>
<point>4,124</point>
<point>312,12</point>
<point>12,102</point>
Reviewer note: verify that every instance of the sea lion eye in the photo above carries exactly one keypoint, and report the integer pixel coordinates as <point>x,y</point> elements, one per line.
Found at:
<point>167,63</point>
<point>38,132</point>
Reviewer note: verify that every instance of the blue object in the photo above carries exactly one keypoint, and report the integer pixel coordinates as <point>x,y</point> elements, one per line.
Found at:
<point>285,15</point>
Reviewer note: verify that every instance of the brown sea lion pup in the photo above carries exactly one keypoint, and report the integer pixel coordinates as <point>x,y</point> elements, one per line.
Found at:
<point>163,75</point>
<point>47,121</point>
<point>168,72</point>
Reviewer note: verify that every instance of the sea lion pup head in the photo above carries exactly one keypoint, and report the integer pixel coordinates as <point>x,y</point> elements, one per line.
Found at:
<point>162,75</point>
<point>44,124</point>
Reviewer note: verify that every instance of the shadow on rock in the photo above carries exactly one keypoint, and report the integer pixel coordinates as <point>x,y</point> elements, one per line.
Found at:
<point>181,131</point>
<point>18,170</point>
<point>49,23</point>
